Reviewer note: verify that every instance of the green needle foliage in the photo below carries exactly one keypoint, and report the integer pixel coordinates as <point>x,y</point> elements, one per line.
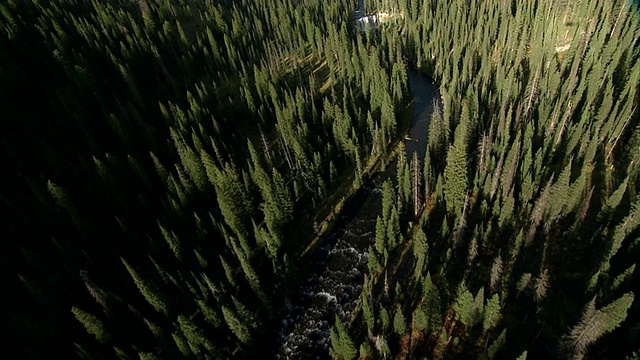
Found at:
<point>200,141</point>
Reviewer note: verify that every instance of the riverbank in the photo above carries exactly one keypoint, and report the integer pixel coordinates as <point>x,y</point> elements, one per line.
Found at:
<point>414,121</point>
<point>332,265</point>
<point>348,190</point>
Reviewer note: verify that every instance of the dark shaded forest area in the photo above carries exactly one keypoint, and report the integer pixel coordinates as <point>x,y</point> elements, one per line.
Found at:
<point>168,162</point>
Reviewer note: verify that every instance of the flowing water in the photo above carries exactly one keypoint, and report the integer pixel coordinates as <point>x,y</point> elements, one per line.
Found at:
<point>337,267</point>
<point>336,274</point>
<point>424,92</point>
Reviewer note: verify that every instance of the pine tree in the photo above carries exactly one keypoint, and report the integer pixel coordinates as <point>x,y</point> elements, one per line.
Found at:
<point>399,324</point>
<point>181,342</point>
<point>623,277</point>
<point>367,310</point>
<point>172,240</point>
<point>478,307</point>
<point>373,264</point>
<point>420,253</point>
<point>415,183</point>
<point>384,318</point>
<point>394,237</point>
<point>455,173</point>
<point>381,235</point>
<point>464,306</point>
<point>403,178</point>
<point>388,200</point>
<point>194,335</point>
<point>239,329</point>
<point>92,323</point>
<point>496,273</point>
<point>491,315</point>
<point>427,175</point>
<point>342,346</point>
<point>228,271</point>
<point>233,200</point>
<point>497,344</point>
<point>210,314</point>
<point>438,132</point>
<point>150,292</point>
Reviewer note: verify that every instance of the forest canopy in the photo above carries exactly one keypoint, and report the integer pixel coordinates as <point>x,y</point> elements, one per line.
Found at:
<point>169,163</point>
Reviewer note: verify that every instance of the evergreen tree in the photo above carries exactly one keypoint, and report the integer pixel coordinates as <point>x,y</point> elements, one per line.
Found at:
<point>92,323</point>
<point>497,344</point>
<point>342,346</point>
<point>239,329</point>
<point>367,310</point>
<point>416,179</point>
<point>464,306</point>
<point>384,318</point>
<point>404,179</point>
<point>455,173</point>
<point>491,313</point>
<point>148,290</point>
<point>420,253</point>
<point>399,324</point>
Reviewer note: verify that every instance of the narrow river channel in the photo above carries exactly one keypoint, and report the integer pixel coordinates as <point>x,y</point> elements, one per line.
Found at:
<point>337,267</point>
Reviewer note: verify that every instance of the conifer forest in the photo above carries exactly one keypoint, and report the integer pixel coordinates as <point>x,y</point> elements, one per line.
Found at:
<point>263,179</point>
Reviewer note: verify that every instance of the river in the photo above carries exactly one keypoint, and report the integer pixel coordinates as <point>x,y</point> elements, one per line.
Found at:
<point>424,92</point>
<point>336,268</point>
